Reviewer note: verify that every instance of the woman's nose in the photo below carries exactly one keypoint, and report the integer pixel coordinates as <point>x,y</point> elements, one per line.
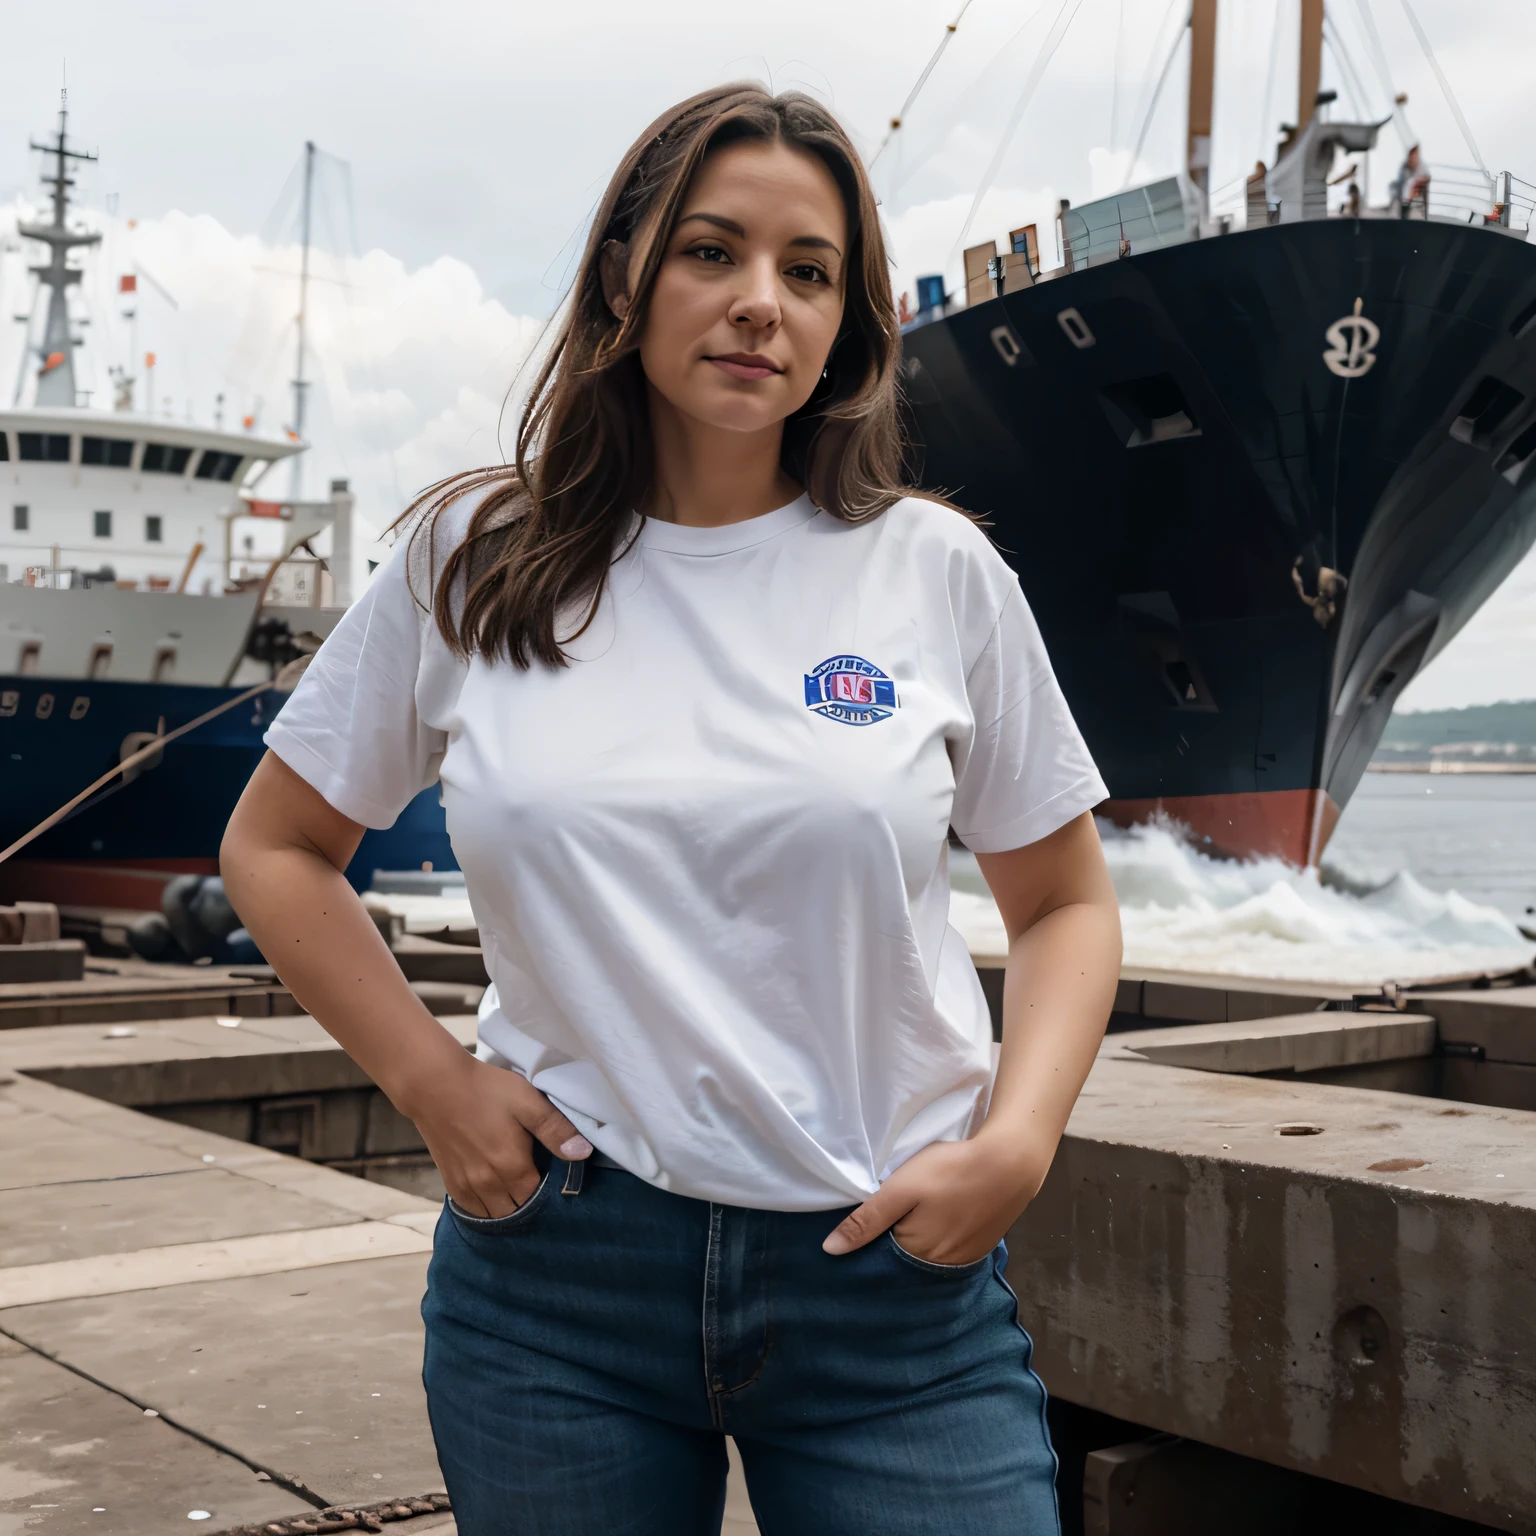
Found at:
<point>757,304</point>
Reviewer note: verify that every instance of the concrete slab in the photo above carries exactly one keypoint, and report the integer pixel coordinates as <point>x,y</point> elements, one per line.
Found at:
<point>36,1149</point>
<point>54,1222</point>
<point>1352,1303</point>
<point>1305,1042</point>
<point>48,960</point>
<point>75,1457</point>
<point>1502,1022</point>
<point>263,1253</point>
<point>316,1375</point>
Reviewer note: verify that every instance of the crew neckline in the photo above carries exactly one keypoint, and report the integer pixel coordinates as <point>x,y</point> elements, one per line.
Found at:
<point>723,538</point>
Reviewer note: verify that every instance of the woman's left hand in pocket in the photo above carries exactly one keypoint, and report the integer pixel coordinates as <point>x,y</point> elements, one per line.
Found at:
<point>951,1203</point>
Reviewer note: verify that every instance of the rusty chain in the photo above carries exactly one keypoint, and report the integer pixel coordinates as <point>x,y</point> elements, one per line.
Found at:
<point>348,1517</point>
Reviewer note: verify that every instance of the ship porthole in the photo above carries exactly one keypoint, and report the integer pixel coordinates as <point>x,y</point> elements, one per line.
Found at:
<point>1007,344</point>
<point>45,706</point>
<point>79,707</point>
<point>1076,329</point>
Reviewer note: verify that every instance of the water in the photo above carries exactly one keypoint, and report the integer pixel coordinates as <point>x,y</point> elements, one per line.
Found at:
<point>1472,833</point>
<point>1427,875</point>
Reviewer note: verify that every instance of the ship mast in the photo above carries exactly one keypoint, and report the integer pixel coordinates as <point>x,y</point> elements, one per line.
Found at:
<point>1311,73</point>
<point>56,377</point>
<point>300,383</point>
<point>1202,91</point>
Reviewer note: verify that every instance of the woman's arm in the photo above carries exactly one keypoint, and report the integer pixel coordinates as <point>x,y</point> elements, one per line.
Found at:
<point>954,1200</point>
<point>282,859</point>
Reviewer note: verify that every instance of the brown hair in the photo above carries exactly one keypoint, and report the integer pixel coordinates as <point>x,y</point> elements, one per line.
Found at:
<point>541,542</point>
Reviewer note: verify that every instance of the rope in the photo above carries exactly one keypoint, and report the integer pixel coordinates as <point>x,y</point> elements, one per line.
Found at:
<point>283,682</point>
<point>352,1517</point>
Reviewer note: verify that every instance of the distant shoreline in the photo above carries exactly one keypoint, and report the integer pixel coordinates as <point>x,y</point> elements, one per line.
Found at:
<point>1439,766</point>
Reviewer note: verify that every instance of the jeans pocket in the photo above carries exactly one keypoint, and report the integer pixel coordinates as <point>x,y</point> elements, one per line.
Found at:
<point>928,1266</point>
<point>494,1226</point>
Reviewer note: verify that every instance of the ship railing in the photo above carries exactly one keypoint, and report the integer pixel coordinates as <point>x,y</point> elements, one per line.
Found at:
<point>1464,194</point>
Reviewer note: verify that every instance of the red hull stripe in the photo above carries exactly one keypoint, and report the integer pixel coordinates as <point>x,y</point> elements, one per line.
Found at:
<point>134,886</point>
<point>1290,824</point>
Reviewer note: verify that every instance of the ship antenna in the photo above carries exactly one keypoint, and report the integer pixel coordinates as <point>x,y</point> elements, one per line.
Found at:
<point>56,377</point>
<point>300,384</point>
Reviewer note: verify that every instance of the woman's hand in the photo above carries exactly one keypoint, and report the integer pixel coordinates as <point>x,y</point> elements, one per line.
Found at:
<point>479,1123</point>
<point>951,1203</point>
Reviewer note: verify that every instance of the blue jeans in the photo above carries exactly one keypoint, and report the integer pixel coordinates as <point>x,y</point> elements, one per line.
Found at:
<point>587,1355</point>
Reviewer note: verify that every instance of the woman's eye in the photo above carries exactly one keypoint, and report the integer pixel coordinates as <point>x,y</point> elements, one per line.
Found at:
<point>713,253</point>
<point>808,274</point>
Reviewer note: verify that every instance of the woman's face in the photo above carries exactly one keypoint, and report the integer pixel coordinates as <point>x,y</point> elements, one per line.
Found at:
<point>749,294</point>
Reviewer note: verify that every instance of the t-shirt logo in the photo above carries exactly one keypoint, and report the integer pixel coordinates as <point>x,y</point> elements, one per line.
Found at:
<point>850,689</point>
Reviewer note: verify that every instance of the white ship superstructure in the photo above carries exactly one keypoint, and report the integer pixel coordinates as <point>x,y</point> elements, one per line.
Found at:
<point>113,497</point>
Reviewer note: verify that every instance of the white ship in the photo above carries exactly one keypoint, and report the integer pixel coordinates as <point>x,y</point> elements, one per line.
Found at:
<point>147,579</point>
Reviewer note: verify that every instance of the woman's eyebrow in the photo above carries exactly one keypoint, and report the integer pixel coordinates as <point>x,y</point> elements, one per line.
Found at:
<point>819,242</point>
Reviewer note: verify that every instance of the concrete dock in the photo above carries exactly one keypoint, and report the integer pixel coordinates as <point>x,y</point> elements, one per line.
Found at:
<point>203,1320</point>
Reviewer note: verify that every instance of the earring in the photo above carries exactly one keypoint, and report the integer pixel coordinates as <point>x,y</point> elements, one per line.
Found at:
<point>827,371</point>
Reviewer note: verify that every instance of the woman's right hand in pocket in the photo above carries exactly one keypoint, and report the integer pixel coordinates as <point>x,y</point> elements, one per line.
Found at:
<point>479,1123</point>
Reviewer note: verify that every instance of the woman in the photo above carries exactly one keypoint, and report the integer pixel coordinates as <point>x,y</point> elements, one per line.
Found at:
<point>705,689</point>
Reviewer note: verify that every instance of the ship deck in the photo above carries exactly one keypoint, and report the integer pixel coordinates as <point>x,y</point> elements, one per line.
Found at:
<point>193,1321</point>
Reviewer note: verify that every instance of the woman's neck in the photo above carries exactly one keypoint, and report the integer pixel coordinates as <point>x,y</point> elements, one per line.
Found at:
<point>707,476</point>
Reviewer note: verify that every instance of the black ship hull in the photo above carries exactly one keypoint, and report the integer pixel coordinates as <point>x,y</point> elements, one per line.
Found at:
<point>1175,469</point>
<point>120,847</point>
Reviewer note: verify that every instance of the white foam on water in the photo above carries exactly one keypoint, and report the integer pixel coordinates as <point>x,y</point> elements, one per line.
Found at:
<point>1180,909</point>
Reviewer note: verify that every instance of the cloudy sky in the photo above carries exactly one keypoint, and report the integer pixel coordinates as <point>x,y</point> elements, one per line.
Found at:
<point>467,141</point>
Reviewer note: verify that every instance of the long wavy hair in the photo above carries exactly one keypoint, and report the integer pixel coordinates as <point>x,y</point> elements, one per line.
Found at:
<point>539,545</point>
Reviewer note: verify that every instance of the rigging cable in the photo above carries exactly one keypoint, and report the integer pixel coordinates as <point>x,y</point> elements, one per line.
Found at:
<point>1153,51</point>
<point>1384,73</point>
<point>999,64</point>
<point>1265,126</point>
<point>1445,87</point>
<point>1114,92</point>
<point>1358,95</point>
<point>922,80</point>
<point>1059,29</point>
<point>1146,122</point>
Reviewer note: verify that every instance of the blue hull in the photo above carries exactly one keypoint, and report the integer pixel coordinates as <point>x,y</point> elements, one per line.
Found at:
<point>57,735</point>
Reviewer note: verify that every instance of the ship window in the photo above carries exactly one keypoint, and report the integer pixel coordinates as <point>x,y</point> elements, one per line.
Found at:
<point>21,519</point>
<point>30,657</point>
<point>44,447</point>
<point>1512,463</point>
<point>101,659</point>
<point>112,451</point>
<point>163,459</point>
<point>152,528</point>
<point>1150,410</point>
<point>1486,410</point>
<point>103,524</point>
<point>5,446</point>
<point>217,466</point>
<point>1522,322</point>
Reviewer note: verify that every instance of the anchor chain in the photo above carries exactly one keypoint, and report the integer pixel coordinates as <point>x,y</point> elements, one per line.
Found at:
<point>349,1517</point>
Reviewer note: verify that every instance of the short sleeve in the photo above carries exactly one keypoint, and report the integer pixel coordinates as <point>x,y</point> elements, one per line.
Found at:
<point>352,729</point>
<point>1026,771</point>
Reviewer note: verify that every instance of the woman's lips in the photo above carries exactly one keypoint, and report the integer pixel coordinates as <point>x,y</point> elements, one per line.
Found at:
<point>740,368</point>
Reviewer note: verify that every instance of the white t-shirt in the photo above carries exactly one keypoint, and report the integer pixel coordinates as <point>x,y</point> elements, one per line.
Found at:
<point>708,858</point>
